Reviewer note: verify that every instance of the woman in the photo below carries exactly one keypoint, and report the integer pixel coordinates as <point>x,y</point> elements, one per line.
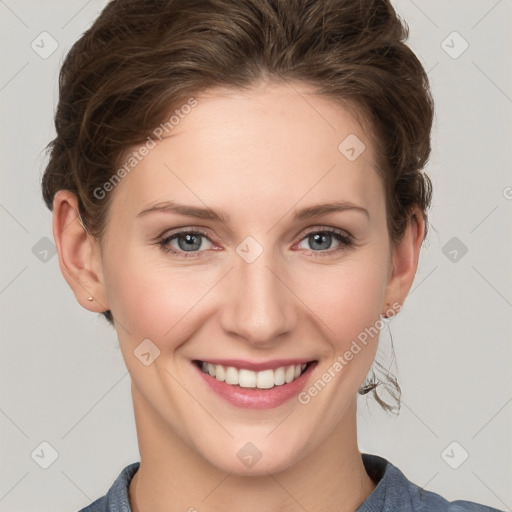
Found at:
<point>237,186</point>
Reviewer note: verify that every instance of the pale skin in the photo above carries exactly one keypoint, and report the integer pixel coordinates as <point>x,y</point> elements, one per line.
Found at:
<point>258,156</point>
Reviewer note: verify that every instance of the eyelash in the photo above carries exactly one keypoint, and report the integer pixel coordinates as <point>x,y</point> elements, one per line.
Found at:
<point>343,238</point>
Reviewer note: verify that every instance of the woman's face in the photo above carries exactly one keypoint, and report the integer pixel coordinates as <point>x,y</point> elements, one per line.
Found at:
<point>273,279</point>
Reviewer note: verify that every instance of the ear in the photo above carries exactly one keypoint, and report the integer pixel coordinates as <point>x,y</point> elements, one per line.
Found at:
<point>79,253</point>
<point>405,256</point>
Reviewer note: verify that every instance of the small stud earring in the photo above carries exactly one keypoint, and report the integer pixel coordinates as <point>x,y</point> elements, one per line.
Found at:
<point>89,298</point>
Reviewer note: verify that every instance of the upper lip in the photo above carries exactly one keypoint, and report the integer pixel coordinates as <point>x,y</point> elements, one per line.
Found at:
<point>257,366</point>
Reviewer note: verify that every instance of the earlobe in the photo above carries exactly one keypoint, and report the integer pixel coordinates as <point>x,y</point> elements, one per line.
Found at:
<point>405,260</point>
<point>78,252</point>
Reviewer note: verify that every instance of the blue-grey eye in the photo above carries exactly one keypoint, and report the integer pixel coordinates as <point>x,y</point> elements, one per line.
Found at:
<point>189,241</point>
<point>320,241</point>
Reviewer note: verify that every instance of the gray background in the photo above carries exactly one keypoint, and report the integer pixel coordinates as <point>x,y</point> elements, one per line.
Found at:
<point>63,378</point>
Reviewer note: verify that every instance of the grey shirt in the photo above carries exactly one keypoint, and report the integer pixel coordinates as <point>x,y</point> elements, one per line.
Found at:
<point>393,493</point>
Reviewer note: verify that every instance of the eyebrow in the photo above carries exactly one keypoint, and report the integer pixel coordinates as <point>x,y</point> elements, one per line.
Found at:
<point>219,215</point>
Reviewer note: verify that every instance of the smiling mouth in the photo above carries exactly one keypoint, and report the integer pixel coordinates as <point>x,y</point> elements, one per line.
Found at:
<point>243,378</point>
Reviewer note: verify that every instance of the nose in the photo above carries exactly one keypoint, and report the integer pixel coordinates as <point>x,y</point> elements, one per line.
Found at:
<point>258,305</point>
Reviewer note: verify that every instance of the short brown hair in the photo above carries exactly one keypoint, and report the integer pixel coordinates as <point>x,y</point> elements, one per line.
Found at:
<point>141,58</point>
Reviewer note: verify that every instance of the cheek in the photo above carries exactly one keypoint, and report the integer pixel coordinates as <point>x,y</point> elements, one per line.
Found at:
<point>152,298</point>
<point>347,298</point>
<point>149,299</point>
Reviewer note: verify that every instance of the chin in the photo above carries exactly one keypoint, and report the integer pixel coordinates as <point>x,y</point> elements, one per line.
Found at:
<point>248,460</point>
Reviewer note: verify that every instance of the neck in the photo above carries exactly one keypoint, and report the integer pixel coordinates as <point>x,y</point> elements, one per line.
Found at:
<point>174,477</point>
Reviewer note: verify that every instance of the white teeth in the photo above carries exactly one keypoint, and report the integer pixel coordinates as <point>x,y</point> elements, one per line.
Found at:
<point>247,379</point>
<point>279,376</point>
<point>220,373</point>
<point>231,376</point>
<point>244,378</point>
<point>265,379</point>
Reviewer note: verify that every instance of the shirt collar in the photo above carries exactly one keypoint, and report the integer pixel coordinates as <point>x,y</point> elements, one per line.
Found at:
<point>389,494</point>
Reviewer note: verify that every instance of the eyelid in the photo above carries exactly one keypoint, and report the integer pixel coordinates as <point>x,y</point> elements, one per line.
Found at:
<point>164,239</point>
<point>206,231</point>
<point>345,239</point>
<point>164,242</point>
<point>321,229</point>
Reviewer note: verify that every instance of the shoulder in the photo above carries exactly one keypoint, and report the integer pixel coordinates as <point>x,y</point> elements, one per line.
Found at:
<point>469,506</point>
<point>428,501</point>
<point>116,498</point>
<point>395,492</point>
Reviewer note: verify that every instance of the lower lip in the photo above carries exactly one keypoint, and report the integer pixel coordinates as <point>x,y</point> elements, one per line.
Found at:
<point>253,398</point>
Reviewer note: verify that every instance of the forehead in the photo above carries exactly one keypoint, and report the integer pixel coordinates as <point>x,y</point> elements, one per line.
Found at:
<point>271,145</point>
